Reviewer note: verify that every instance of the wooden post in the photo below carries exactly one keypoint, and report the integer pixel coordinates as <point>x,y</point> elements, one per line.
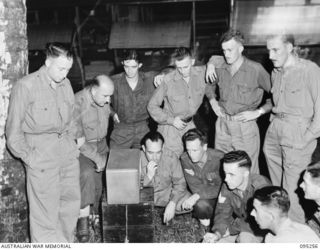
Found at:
<point>193,25</point>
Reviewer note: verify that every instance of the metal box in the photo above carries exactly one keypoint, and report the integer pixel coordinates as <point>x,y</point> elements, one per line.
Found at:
<point>123,177</point>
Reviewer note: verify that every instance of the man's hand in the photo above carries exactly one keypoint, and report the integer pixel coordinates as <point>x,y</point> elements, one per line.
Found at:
<point>80,142</point>
<point>211,74</point>
<point>189,203</point>
<point>247,116</point>
<point>158,79</point>
<point>211,238</point>
<point>178,123</point>
<point>216,108</point>
<point>169,212</point>
<point>101,165</point>
<point>151,169</point>
<point>116,118</point>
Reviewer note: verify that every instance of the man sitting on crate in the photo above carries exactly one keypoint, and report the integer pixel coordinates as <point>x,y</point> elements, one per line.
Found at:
<point>161,169</point>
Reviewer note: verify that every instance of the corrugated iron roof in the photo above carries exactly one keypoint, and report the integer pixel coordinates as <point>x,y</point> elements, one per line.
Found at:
<point>40,35</point>
<point>150,35</point>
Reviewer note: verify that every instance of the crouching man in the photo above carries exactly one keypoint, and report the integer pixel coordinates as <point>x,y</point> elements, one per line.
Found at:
<point>231,220</point>
<point>161,169</point>
<point>270,209</point>
<point>92,111</point>
<point>201,168</point>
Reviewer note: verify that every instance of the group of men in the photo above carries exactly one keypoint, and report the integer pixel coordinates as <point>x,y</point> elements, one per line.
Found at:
<point>61,138</point>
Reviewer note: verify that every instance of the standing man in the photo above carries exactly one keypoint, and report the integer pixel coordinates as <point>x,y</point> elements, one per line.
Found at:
<point>182,91</point>
<point>270,210</point>
<point>39,131</point>
<point>201,167</point>
<point>133,90</point>
<point>295,125</point>
<point>92,111</point>
<point>231,221</point>
<point>161,169</point>
<point>241,85</point>
<point>311,188</point>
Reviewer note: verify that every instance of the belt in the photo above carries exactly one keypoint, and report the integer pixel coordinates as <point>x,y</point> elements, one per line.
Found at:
<point>96,140</point>
<point>284,116</point>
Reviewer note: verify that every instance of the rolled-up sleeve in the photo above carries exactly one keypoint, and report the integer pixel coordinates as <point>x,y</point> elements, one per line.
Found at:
<point>178,181</point>
<point>16,142</point>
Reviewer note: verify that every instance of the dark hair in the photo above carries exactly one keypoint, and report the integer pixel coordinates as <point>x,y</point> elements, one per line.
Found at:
<point>181,53</point>
<point>56,49</point>
<point>314,170</point>
<point>193,134</point>
<point>273,196</point>
<point>238,156</point>
<point>153,136</point>
<point>131,55</point>
<point>232,34</point>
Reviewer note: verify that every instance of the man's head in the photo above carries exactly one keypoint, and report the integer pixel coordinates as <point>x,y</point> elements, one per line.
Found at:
<point>236,166</point>
<point>131,63</point>
<point>58,62</point>
<point>183,61</point>
<point>280,47</point>
<point>152,144</point>
<point>196,143</point>
<point>101,88</point>
<point>311,182</point>
<point>232,45</point>
<point>270,204</point>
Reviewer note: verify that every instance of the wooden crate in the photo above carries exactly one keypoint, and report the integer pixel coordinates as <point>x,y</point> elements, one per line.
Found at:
<point>129,222</point>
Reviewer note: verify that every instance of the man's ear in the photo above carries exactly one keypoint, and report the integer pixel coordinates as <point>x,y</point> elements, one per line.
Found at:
<point>241,48</point>
<point>205,146</point>
<point>143,148</point>
<point>140,65</point>
<point>247,172</point>
<point>289,47</point>
<point>193,61</point>
<point>47,62</point>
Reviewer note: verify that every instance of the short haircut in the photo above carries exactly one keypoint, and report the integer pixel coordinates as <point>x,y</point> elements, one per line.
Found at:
<point>314,170</point>
<point>285,37</point>
<point>238,156</point>
<point>131,54</point>
<point>181,53</point>
<point>153,136</point>
<point>273,196</point>
<point>232,34</point>
<point>193,134</point>
<point>56,49</point>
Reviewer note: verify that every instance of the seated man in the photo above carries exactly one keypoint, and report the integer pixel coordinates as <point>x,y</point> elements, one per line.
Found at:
<point>231,219</point>
<point>311,188</point>
<point>161,169</point>
<point>270,209</point>
<point>201,168</point>
<point>91,115</point>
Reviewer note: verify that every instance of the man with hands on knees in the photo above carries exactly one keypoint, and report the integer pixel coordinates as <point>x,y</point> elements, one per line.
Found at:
<point>161,169</point>
<point>91,115</point>
<point>241,83</point>
<point>231,220</point>
<point>201,167</point>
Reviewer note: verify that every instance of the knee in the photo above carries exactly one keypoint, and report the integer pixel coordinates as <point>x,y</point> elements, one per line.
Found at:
<point>87,174</point>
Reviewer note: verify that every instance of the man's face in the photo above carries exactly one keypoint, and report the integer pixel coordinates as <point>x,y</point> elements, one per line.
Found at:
<point>310,187</point>
<point>184,66</point>
<point>261,214</point>
<point>153,150</point>
<point>234,175</point>
<point>102,94</point>
<point>131,68</point>
<point>278,51</point>
<point>58,67</point>
<point>195,150</point>
<point>232,51</point>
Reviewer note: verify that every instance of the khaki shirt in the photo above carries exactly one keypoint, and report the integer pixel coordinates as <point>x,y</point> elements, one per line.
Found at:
<point>168,182</point>
<point>180,98</point>
<point>92,123</point>
<point>244,90</point>
<point>296,92</point>
<point>38,109</point>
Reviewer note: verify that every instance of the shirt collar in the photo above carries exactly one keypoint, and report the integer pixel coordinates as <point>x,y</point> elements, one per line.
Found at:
<point>243,67</point>
<point>178,76</point>
<point>203,160</point>
<point>52,84</point>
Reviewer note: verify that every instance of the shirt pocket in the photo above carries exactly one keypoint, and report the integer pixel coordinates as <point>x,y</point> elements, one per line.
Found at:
<point>243,93</point>
<point>44,114</point>
<point>294,95</point>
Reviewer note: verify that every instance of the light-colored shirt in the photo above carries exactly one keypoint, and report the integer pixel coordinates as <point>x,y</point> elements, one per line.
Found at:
<point>293,232</point>
<point>180,98</point>
<point>92,123</point>
<point>168,182</point>
<point>296,92</point>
